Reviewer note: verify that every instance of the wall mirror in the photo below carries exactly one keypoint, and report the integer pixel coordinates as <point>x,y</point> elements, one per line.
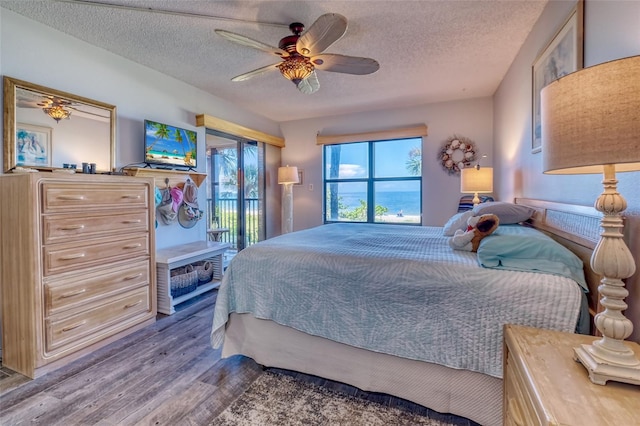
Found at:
<point>47,129</point>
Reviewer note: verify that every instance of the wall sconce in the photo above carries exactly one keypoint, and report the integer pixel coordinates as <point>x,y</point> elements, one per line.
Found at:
<point>591,124</point>
<point>477,180</point>
<point>287,176</point>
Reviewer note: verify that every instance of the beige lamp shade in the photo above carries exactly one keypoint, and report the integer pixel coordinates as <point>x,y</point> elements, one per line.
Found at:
<point>591,118</point>
<point>476,180</point>
<point>591,124</point>
<point>288,174</point>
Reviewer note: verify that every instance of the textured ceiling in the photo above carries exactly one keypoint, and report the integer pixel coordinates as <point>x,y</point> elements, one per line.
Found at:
<point>429,51</point>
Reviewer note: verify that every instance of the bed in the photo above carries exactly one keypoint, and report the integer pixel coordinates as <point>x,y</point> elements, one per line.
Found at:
<point>393,309</point>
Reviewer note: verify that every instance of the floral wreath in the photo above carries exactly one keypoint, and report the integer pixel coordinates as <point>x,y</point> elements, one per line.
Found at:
<point>453,163</point>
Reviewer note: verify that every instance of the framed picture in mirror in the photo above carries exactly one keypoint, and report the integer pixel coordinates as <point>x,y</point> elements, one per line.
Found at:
<point>33,145</point>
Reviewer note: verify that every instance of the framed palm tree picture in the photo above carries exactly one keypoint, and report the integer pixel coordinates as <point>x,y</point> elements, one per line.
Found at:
<point>563,55</point>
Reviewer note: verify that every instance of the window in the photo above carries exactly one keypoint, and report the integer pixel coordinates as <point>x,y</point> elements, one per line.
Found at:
<point>374,182</point>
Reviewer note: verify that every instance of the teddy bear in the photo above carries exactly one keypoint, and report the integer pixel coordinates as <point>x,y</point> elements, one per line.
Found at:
<point>478,228</point>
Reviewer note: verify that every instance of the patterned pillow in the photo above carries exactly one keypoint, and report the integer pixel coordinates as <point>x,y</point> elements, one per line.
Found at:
<point>466,202</point>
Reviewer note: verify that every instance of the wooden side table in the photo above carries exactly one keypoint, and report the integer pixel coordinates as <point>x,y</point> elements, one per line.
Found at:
<point>215,234</point>
<point>543,385</point>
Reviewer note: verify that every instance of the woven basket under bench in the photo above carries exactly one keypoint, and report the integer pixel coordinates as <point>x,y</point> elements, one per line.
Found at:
<point>208,269</point>
<point>183,280</point>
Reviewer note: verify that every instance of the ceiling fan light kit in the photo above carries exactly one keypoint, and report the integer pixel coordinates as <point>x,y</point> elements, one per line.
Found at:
<point>56,112</point>
<point>301,53</point>
<point>296,68</point>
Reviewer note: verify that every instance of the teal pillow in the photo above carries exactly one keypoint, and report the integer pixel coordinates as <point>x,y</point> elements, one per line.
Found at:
<point>518,248</point>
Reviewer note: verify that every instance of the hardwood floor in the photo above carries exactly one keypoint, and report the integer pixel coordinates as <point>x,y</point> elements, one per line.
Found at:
<point>165,374</point>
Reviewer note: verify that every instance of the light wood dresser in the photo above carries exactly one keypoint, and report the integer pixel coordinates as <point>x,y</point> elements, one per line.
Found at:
<point>78,267</point>
<point>543,385</point>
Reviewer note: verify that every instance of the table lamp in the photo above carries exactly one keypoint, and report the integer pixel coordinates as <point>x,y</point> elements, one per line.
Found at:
<point>478,180</point>
<point>591,124</point>
<point>287,176</point>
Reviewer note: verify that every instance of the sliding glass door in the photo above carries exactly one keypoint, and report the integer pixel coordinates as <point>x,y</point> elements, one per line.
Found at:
<point>236,193</point>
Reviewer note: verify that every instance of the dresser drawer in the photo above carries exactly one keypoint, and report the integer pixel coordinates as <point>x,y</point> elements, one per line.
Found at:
<point>61,228</point>
<point>96,252</point>
<point>72,196</point>
<point>79,291</point>
<point>61,330</point>
<point>518,404</point>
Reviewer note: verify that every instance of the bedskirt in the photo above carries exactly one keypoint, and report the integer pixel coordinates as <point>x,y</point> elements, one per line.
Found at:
<point>464,393</point>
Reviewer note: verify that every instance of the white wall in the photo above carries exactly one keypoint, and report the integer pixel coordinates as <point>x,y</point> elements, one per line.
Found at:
<point>39,54</point>
<point>611,31</point>
<point>441,191</point>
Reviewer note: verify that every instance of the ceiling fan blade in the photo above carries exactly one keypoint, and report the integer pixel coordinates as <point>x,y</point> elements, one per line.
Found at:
<point>310,84</point>
<point>105,114</point>
<point>21,103</point>
<point>248,75</point>
<point>325,31</point>
<point>345,64</point>
<point>246,41</point>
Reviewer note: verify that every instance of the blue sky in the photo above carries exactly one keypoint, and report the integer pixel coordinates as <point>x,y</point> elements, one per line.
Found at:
<point>391,159</point>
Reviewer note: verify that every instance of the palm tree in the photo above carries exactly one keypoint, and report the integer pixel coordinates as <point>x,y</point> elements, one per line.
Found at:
<point>193,144</point>
<point>178,135</point>
<point>414,163</point>
<point>228,164</point>
<point>22,136</point>
<point>161,132</point>
<point>251,181</point>
<point>334,173</point>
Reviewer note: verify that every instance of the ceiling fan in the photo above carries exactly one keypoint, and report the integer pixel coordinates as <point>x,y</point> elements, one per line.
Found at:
<point>56,107</point>
<point>302,53</point>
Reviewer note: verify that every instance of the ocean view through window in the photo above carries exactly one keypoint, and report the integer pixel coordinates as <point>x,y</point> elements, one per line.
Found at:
<point>374,182</point>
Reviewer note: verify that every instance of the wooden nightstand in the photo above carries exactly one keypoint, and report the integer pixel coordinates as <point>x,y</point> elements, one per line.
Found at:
<point>543,385</point>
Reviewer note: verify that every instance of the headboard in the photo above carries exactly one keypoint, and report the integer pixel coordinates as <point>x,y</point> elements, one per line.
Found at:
<point>575,227</point>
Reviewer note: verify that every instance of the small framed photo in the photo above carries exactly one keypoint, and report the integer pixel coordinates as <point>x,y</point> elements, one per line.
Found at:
<point>563,55</point>
<point>33,145</point>
<point>300,177</point>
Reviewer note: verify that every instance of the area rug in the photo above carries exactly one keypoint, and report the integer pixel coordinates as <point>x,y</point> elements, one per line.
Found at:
<point>276,399</point>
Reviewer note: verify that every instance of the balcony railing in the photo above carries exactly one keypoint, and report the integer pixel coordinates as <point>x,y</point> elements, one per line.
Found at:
<point>224,212</point>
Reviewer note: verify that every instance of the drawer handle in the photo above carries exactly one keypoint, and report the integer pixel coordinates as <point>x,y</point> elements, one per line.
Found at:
<point>74,326</point>
<point>73,256</point>
<point>132,277</point>
<point>514,409</point>
<point>73,293</point>
<point>132,246</point>
<point>131,305</point>
<point>131,221</point>
<point>71,197</point>
<point>131,197</point>
<point>72,227</point>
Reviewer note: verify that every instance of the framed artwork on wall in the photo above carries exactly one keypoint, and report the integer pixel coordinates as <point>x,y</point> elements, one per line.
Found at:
<point>33,145</point>
<point>563,55</point>
<point>300,177</point>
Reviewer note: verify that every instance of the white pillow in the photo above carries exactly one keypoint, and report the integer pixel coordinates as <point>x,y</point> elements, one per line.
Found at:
<point>508,213</point>
<point>457,221</point>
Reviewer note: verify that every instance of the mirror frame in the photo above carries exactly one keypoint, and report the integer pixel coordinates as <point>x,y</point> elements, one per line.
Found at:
<point>11,85</point>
